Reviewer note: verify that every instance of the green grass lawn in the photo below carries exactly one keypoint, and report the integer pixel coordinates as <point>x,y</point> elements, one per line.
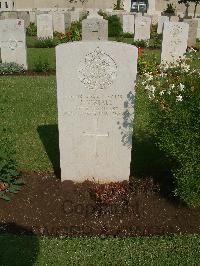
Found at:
<point>43,55</point>
<point>28,103</point>
<point>30,115</point>
<point>30,250</point>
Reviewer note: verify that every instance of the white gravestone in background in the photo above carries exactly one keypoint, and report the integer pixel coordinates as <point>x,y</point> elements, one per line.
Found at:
<point>13,42</point>
<point>154,19</point>
<point>71,17</point>
<point>95,93</point>
<point>142,28</point>
<point>192,35</point>
<point>94,29</point>
<point>32,17</point>
<point>59,22</point>
<point>128,23</point>
<point>44,26</point>
<point>174,19</point>
<point>174,45</point>
<point>161,21</point>
<point>198,29</point>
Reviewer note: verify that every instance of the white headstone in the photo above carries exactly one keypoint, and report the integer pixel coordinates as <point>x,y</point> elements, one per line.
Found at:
<point>44,26</point>
<point>154,19</point>
<point>59,22</point>
<point>142,28</point>
<point>152,7</point>
<point>127,5</point>
<point>75,15</point>
<point>24,16</point>
<point>161,20</point>
<point>174,45</point>
<point>192,35</point>
<point>13,42</point>
<point>94,29</point>
<point>32,17</point>
<point>71,17</point>
<point>95,91</point>
<point>198,29</point>
<point>174,19</point>
<point>128,23</point>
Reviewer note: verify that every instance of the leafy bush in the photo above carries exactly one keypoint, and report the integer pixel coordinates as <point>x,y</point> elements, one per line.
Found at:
<point>147,63</point>
<point>10,68</point>
<point>103,14</point>
<point>155,41</point>
<point>41,65</point>
<point>174,93</point>
<point>128,35</point>
<point>8,170</point>
<point>118,5</point>
<point>46,43</point>
<point>74,33</point>
<point>169,10</point>
<point>32,30</point>
<point>114,26</point>
<point>140,43</point>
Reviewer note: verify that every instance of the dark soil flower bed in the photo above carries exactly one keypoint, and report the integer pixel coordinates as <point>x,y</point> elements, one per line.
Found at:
<point>45,206</point>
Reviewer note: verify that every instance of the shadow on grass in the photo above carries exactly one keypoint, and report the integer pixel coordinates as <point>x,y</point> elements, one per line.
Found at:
<point>49,137</point>
<point>149,162</point>
<point>17,245</point>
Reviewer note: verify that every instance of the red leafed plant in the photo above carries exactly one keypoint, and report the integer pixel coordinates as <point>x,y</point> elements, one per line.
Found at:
<point>111,192</point>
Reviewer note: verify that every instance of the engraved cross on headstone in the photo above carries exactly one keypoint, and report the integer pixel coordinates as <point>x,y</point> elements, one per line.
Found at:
<point>96,134</point>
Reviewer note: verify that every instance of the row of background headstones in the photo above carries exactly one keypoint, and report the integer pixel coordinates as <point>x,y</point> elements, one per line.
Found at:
<point>127,19</point>
<point>13,35</point>
<point>140,26</point>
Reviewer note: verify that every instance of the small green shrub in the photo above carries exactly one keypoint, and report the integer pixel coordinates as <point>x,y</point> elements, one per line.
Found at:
<point>41,65</point>
<point>103,14</point>
<point>155,41</point>
<point>10,68</point>
<point>169,10</point>
<point>114,26</point>
<point>140,43</point>
<point>75,31</point>
<point>32,30</point>
<point>174,93</point>
<point>9,183</point>
<point>147,63</point>
<point>128,35</point>
<point>46,43</point>
<point>118,5</point>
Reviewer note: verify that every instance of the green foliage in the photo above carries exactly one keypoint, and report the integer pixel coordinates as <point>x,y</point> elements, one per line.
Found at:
<point>127,35</point>
<point>118,5</point>
<point>8,169</point>
<point>10,68</point>
<point>41,65</point>
<point>155,41</point>
<point>32,30</point>
<point>169,10</point>
<point>147,63</point>
<point>114,26</point>
<point>73,34</point>
<point>76,31</point>
<point>46,43</point>
<point>175,119</point>
<point>140,43</point>
<point>103,14</point>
